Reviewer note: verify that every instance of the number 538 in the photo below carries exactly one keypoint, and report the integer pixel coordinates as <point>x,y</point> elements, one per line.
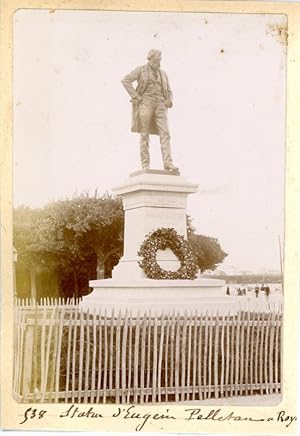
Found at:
<point>31,413</point>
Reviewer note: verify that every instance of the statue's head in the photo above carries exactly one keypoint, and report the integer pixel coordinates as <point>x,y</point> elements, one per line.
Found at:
<point>154,58</point>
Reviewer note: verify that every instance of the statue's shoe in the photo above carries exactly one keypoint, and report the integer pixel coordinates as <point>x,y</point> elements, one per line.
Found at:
<point>171,168</point>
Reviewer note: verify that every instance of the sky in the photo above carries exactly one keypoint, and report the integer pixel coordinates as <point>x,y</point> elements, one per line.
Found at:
<point>228,76</point>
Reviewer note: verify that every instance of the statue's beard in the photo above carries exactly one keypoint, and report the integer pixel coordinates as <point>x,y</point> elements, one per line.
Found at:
<point>155,67</point>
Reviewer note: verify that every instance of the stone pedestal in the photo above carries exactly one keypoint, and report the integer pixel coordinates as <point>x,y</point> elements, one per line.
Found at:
<point>152,199</point>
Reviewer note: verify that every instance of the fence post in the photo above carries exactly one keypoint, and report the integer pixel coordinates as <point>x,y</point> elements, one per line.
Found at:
<point>27,360</point>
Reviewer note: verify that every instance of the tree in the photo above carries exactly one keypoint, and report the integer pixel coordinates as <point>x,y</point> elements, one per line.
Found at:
<point>30,257</point>
<point>207,251</point>
<point>190,229</point>
<point>87,225</point>
<point>79,238</point>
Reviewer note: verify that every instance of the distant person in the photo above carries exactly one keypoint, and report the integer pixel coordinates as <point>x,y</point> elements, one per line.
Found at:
<point>268,291</point>
<point>227,291</point>
<point>256,291</point>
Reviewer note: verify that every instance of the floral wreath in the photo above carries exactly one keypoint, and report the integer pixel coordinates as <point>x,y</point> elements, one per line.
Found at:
<point>161,239</point>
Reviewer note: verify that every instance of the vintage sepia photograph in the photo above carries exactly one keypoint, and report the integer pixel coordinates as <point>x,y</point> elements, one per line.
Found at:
<point>129,289</point>
<point>149,162</point>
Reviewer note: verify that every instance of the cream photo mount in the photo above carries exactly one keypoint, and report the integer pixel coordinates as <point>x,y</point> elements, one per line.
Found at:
<point>172,417</point>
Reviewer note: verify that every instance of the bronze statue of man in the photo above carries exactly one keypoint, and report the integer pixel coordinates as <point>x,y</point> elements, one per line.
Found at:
<point>150,102</point>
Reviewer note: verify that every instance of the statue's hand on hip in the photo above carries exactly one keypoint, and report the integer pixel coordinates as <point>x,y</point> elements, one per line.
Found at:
<point>137,99</point>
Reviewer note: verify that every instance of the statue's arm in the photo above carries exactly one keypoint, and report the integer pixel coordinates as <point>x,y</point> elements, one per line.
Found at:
<point>129,79</point>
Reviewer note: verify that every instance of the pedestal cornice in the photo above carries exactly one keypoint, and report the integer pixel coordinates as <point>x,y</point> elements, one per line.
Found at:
<point>148,181</point>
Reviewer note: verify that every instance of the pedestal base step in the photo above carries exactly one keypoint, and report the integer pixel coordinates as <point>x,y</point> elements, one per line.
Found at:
<point>155,295</point>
